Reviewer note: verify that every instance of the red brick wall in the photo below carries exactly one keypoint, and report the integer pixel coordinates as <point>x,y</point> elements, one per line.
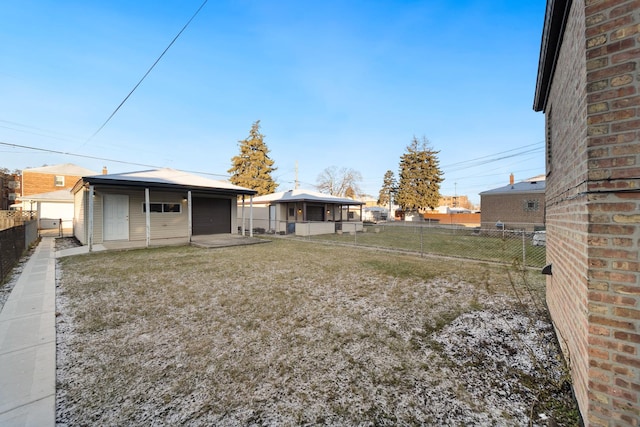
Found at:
<point>466,219</point>
<point>613,144</point>
<point>593,207</point>
<point>37,183</point>
<point>566,216</point>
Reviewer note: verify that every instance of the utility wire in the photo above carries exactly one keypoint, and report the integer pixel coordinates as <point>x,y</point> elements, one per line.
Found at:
<point>146,74</point>
<point>495,154</point>
<point>85,156</point>
<point>497,159</point>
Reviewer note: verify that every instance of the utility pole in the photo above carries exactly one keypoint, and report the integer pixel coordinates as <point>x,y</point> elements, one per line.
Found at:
<point>296,179</point>
<point>455,195</point>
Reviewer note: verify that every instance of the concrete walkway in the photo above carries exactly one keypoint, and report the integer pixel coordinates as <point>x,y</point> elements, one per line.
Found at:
<point>28,344</point>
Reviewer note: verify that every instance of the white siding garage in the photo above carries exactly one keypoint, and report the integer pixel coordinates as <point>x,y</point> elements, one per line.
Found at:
<point>153,207</point>
<point>51,208</point>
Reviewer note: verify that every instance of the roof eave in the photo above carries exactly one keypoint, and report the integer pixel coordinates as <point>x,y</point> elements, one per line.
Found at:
<point>555,21</point>
<point>164,185</point>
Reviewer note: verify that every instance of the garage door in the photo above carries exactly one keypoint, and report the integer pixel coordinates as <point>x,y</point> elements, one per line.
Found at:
<point>52,210</point>
<point>211,216</point>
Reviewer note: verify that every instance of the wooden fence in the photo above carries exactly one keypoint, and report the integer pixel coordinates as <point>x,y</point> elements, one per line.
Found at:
<point>9,219</point>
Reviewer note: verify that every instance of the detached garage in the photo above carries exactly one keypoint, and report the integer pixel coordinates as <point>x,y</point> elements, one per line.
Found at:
<point>160,206</point>
<point>54,209</point>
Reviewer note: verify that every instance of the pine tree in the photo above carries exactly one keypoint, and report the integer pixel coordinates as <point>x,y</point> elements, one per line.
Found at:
<point>388,186</point>
<point>420,177</point>
<point>252,168</point>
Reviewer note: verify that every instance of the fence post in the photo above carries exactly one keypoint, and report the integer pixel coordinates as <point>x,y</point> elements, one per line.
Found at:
<point>421,241</point>
<point>524,249</point>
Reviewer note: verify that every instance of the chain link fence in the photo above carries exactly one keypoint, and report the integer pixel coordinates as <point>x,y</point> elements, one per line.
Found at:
<point>522,246</point>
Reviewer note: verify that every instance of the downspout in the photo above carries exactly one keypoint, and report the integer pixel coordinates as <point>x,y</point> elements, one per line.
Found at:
<point>147,204</point>
<point>189,216</point>
<point>90,222</point>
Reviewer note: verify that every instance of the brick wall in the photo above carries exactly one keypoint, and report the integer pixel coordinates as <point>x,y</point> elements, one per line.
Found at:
<point>593,207</point>
<point>613,147</point>
<point>466,219</point>
<point>510,209</point>
<point>37,183</point>
<point>567,216</point>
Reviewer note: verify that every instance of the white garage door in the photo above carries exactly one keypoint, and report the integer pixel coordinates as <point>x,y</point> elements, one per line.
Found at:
<point>52,210</point>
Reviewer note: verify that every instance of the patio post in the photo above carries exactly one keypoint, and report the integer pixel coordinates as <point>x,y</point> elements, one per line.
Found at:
<point>189,216</point>
<point>250,215</point>
<point>147,217</point>
<point>242,225</point>
<point>90,222</point>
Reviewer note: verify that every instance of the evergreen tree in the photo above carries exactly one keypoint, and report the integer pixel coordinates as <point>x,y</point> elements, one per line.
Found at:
<point>388,186</point>
<point>252,168</point>
<point>420,177</point>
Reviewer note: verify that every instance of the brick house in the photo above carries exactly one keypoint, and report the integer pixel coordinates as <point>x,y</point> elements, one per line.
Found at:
<point>587,87</point>
<point>52,178</point>
<point>518,205</point>
<point>9,189</point>
<point>47,191</point>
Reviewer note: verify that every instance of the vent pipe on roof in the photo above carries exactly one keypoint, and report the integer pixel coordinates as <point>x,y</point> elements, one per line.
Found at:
<point>104,170</point>
<point>511,179</point>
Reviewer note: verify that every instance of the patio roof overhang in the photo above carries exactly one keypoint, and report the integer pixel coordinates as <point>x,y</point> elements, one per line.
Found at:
<point>164,179</point>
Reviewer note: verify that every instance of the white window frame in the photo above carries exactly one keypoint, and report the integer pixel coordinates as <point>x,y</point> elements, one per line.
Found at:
<point>164,208</point>
<point>58,181</point>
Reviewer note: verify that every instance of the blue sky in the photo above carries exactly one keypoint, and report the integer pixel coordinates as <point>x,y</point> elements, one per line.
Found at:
<point>334,83</point>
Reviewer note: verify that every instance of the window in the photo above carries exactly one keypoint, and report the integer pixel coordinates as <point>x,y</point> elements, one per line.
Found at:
<point>162,208</point>
<point>292,212</point>
<point>531,205</point>
<point>59,181</point>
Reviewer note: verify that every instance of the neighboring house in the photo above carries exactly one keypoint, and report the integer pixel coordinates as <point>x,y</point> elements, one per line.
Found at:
<point>455,202</point>
<point>51,178</point>
<point>153,207</point>
<point>9,189</point>
<point>304,213</point>
<point>43,192</point>
<point>588,88</point>
<point>517,206</point>
<point>374,214</point>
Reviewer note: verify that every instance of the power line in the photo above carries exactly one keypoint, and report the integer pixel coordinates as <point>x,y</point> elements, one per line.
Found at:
<point>497,159</point>
<point>495,154</point>
<point>145,74</point>
<point>85,156</point>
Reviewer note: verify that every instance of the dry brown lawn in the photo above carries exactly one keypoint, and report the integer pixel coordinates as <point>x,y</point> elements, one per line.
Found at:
<point>296,333</point>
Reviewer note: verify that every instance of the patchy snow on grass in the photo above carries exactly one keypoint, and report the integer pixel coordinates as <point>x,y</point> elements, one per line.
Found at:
<point>296,334</point>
